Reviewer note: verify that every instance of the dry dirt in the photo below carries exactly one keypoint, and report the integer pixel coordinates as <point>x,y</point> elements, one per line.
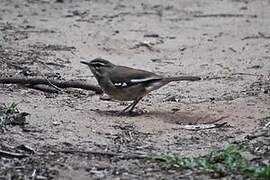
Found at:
<point>225,42</point>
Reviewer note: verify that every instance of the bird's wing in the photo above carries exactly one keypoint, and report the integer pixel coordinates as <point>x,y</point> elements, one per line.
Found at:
<point>124,76</point>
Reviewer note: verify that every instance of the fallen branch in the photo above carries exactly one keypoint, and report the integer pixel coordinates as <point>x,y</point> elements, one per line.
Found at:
<point>203,126</point>
<point>260,35</point>
<point>60,84</point>
<point>26,148</point>
<point>44,88</point>
<point>245,74</point>
<point>8,154</point>
<point>225,15</point>
<point>104,153</point>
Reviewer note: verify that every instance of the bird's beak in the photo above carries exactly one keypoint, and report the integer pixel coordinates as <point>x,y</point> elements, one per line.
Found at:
<point>84,62</point>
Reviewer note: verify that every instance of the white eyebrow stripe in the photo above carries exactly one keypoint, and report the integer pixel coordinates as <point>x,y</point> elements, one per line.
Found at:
<point>97,63</point>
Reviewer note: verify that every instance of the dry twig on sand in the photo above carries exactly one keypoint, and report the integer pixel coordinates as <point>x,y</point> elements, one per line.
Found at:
<point>203,126</point>
<point>33,82</point>
<point>8,154</point>
<point>105,153</point>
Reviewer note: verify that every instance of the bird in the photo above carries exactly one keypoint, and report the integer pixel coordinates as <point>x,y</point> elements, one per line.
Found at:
<point>128,84</point>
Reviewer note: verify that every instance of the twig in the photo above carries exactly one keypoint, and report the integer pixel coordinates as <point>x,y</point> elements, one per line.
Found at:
<point>26,148</point>
<point>245,74</point>
<point>44,88</point>
<point>34,174</point>
<point>203,126</point>
<point>224,15</point>
<point>11,154</point>
<point>260,35</point>
<point>103,153</point>
<point>267,124</point>
<point>143,44</point>
<point>54,86</point>
<point>60,84</point>
<point>215,78</point>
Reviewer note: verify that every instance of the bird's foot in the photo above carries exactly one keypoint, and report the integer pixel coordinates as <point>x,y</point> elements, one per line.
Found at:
<point>130,113</point>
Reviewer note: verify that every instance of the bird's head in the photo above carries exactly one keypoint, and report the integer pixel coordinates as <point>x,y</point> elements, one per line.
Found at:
<point>99,67</point>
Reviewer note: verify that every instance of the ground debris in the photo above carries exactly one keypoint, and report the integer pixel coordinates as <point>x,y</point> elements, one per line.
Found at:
<point>105,153</point>
<point>225,15</point>
<point>11,154</point>
<point>11,116</point>
<point>259,36</point>
<point>203,126</point>
<point>146,44</point>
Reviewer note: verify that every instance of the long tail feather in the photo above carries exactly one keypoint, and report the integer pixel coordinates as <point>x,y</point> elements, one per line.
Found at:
<point>182,78</point>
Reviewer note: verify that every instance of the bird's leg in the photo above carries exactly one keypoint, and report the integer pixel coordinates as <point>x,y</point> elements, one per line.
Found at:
<point>134,104</point>
<point>126,108</point>
<point>131,106</point>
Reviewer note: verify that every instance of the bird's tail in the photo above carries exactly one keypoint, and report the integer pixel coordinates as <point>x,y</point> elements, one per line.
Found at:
<point>182,78</point>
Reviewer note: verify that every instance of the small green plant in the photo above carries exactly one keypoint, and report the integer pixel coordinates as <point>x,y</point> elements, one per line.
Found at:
<point>12,108</point>
<point>11,115</point>
<point>219,164</point>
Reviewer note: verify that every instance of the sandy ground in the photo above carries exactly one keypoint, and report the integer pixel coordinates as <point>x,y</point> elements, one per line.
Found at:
<point>225,42</point>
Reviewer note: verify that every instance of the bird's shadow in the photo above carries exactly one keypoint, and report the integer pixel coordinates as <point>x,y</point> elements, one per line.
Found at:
<point>119,114</point>
<point>179,117</point>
